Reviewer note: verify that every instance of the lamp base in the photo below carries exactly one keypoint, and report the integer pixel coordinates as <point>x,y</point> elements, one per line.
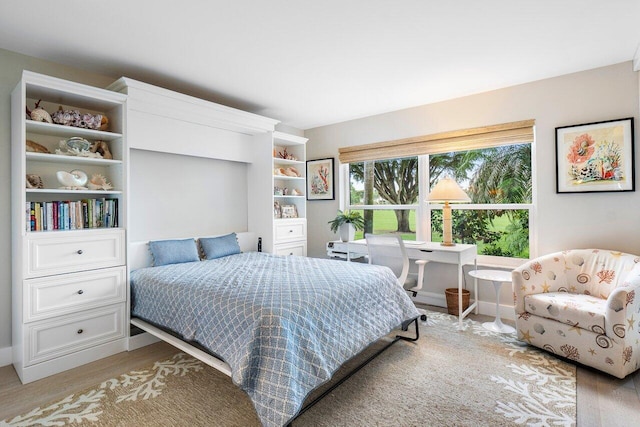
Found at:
<point>447,244</point>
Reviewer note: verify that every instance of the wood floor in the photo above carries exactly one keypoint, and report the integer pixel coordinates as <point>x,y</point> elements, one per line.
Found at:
<point>601,399</point>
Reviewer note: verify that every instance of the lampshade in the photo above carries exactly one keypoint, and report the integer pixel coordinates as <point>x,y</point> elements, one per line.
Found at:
<point>448,190</point>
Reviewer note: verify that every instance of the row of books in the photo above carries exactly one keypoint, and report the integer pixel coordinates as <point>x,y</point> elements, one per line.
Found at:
<point>66,215</point>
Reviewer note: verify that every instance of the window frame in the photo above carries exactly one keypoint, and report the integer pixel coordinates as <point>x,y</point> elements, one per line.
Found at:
<point>424,208</point>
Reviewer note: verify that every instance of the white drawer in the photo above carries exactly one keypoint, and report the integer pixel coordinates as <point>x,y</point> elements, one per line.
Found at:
<point>298,248</point>
<point>64,294</point>
<point>70,251</point>
<point>56,337</point>
<point>289,230</point>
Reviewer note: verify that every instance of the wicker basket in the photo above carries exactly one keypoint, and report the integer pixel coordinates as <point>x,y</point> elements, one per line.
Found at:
<point>452,300</point>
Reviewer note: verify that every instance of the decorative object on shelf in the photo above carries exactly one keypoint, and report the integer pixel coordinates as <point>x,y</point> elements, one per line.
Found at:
<point>74,180</point>
<point>595,157</point>
<point>291,171</point>
<point>279,171</point>
<point>34,147</point>
<point>278,191</point>
<point>76,146</point>
<point>347,223</point>
<point>320,182</point>
<point>34,181</point>
<point>76,119</point>
<point>39,114</point>
<point>447,190</point>
<point>99,182</point>
<point>277,211</point>
<point>289,211</point>
<point>286,155</point>
<point>296,192</point>
<point>102,148</point>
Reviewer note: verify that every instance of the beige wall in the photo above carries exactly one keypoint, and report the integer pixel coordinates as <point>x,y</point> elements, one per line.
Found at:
<point>603,220</point>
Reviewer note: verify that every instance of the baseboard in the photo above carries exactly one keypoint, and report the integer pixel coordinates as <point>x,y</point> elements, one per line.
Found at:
<point>484,307</point>
<point>6,356</point>
<point>141,340</point>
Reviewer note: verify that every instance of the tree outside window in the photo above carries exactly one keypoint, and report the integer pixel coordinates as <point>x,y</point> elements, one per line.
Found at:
<point>498,181</point>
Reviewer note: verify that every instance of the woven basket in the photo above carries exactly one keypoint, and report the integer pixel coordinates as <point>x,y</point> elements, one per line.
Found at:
<point>452,300</point>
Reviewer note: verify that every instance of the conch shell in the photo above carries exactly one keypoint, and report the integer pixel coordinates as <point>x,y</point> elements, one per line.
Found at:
<point>74,180</point>
<point>34,147</point>
<point>99,182</point>
<point>34,181</point>
<point>40,115</point>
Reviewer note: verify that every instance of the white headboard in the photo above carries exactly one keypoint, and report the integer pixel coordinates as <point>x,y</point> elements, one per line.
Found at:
<point>140,256</point>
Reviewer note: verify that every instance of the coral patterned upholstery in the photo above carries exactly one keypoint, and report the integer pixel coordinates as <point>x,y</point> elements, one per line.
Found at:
<point>583,305</point>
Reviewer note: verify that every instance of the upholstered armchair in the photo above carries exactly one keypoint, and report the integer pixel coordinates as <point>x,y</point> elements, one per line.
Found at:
<point>583,305</point>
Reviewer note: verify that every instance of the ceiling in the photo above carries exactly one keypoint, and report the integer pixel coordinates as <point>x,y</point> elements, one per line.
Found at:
<point>313,63</point>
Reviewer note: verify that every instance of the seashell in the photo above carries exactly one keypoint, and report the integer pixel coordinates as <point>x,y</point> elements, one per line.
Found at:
<point>539,328</point>
<point>99,182</point>
<point>34,181</point>
<point>296,192</point>
<point>279,171</point>
<point>102,148</point>
<point>34,147</point>
<point>74,180</point>
<point>77,143</point>
<point>76,119</point>
<point>553,310</point>
<point>40,115</point>
<point>291,171</point>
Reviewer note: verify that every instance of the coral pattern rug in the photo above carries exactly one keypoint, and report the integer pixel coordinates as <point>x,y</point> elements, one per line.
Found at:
<point>449,377</point>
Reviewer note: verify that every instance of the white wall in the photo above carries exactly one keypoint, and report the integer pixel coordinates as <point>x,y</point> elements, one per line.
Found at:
<point>603,220</point>
<point>182,196</point>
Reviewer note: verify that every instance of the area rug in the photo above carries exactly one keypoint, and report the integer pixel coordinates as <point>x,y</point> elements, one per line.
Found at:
<point>449,377</point>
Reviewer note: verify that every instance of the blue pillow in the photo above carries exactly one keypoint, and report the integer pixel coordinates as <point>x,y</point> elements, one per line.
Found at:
<point>217,247</point>
<point>173,251</point>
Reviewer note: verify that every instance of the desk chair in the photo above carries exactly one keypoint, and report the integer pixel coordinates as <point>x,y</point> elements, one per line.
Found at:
<point>389,250</point>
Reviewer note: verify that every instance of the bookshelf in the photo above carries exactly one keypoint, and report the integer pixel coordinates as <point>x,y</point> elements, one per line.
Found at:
<point>69,185</point>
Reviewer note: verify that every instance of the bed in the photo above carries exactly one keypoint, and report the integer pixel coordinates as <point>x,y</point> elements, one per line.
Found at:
<point>278,326</point>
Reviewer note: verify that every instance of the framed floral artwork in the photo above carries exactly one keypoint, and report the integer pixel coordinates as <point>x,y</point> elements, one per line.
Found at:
<point>320,179</point>
<point>595,157</point>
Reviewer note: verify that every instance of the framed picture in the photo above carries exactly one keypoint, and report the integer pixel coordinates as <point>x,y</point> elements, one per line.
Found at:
<point>595,157</point>
<point>320,179</point>
<point>289,211</point>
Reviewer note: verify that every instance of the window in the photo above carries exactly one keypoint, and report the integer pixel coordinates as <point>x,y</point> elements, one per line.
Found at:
<point>391,194</point>
<point>386,193</point>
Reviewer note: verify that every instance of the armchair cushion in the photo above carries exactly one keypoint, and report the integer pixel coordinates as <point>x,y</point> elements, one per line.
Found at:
<point>577,310</point>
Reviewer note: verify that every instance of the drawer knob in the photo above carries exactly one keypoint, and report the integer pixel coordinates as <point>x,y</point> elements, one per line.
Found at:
<point>80,292</point>
<point>290,253</point>
<point>80,331</point>
<point>290,231</point>
<point>79,252</point>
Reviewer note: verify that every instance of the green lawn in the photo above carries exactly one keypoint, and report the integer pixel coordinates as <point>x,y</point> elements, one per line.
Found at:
<point>385,222</point>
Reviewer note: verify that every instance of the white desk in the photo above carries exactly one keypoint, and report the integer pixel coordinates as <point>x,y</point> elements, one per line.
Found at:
<point>459,255</point>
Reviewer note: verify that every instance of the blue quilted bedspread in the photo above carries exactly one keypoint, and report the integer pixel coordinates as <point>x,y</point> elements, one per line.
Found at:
<point>283,324</point>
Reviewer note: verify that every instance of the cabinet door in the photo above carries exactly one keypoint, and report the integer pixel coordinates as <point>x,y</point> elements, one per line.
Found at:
<point>68,293</point>
<point>66,252</point>
<point>290,230</point>
<point>298,249</point>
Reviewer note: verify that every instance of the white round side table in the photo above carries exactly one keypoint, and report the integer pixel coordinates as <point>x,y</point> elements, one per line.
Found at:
<point>498,277</point>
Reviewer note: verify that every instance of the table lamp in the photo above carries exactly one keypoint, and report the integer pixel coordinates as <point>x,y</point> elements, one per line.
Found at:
<point>447,190</point>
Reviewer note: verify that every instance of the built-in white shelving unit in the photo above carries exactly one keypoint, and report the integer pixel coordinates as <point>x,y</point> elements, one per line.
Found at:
<point>69,277</point>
